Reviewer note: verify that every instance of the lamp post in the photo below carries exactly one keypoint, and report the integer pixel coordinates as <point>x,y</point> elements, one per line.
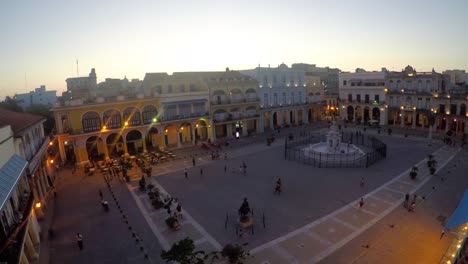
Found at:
<point>431,119</point>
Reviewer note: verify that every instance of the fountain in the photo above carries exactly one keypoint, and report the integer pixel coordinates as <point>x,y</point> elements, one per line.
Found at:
<point>333,150</point>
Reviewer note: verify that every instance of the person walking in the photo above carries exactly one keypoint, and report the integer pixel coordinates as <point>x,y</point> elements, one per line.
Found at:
<point>179,211</point>
<point>362,181</point>
<point>361,203</point>
<point>278,187</point>
<point>201,171</point>
<point>100,193</point>
<point>186,173</point>
<point>225,155</point>
<point>193,161</point>
<point>79,241</point>
<point>225,169</point>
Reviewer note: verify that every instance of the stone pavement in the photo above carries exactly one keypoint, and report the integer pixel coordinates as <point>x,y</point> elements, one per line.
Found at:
<point>107,239</point>
<point>317,240</point>
<point>403,237</point>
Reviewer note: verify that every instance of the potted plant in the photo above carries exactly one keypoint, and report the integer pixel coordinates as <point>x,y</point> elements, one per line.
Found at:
<point>431,162</point>
<point>150,187</point>
<point>234,253</point>
<point>157,203</point>
<point>183,252</point>
<point>432,170</point>
<point>142,183</point>
<point>414,172</point>
<point>172,223</point>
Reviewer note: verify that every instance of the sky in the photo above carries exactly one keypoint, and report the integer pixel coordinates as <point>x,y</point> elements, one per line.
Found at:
<point>40,41</point>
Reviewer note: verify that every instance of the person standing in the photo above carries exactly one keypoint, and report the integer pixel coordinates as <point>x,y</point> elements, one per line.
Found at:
<point>100,193</point>
<point>362,181</point>
<point>201,171</point>
<point>186,173</point>
<point>406,202</point>
<point>278,186</point>
<point>193,161</point>
<point>225,168</point>
<point>79,241</point>
<point>225,155</point>
<point>361,203</point>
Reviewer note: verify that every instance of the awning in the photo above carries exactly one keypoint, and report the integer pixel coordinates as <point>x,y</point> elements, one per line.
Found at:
<point>10,174</point>
<point>460,216</point>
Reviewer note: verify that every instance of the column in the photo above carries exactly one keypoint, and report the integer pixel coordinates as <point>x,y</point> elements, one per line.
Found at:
<point>193,134</point>
<point>63,156</point>
<point>296,116</point>
<point>145,150</point>
<point>29,248</point>
<point>212,133</point>
<point>305,116</point>
<point>260,124</point>
<point>244,128</point>
<point>279,118</point>
<point>402,119</point>
<point>179,135</point>
<point>354,115</point>
<point>271,120</point>
<point>229,130</point>
<point>413,120</point>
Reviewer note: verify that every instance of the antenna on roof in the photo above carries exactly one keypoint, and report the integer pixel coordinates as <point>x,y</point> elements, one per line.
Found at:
<point>77,69</point>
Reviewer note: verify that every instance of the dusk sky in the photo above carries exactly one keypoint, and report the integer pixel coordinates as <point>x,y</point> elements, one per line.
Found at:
<point>43,39</point>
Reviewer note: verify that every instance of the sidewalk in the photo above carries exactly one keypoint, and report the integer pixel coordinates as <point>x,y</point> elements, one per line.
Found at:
<point>107,239</point>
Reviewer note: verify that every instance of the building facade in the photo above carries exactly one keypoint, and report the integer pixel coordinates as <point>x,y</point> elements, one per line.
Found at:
<point>282,93</point>
<point>27,176</point>
<point>37,97</point>
<point>82,87</point>
<point>363,97</point>
<point>328,76</point>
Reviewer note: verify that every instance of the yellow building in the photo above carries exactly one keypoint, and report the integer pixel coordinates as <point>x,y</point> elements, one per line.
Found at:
<point>171,111</point>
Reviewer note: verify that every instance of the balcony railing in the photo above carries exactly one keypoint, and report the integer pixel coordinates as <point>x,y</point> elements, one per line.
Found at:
<point>233,117</point>
<point>235,101</point>
<point>182,117</point>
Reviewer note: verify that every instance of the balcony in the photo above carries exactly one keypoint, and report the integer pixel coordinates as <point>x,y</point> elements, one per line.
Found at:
<point>17,231</point>
<point>167,118</point>
<point>235,101</point>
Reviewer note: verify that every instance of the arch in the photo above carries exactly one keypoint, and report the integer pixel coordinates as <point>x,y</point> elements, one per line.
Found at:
<point>463,109</point>
<point>219,92</point>
<point>250,91</point>
<point>115,146</point>
<point>220,115</point>
<point>132,116</point>
<point>150,114</point>
<point>376,114</point>
<point>91,121</point>
<point>235,91</point>
<point>350,111</point>
<point>275,119</point>
<point>300,116</point>
<point>134,142</point>
<point>235,113</point>
<point>94,145</point>
<point>170,135</point>
<point>185,133</point>
<point>112,119</point>
<point>236,95</point>
<point>366,114</point>
<point>251,95</point>
<point>201,130</point>
<point>153,138</point>
<point>358,111</point>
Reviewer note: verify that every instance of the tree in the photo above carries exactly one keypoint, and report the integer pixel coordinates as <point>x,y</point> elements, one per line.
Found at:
<point>11,104</point>
<point>43,110</point>
<point>184,253</point>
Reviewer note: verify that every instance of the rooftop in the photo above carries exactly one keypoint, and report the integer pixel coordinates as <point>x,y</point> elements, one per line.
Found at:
<point>17,120</point>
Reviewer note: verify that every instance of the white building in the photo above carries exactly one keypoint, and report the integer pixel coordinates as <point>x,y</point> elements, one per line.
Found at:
<point>37,97</point>
<point>282,93</point>
<point>83,87</point>
<point>362,94</point>
<point>25,179</point>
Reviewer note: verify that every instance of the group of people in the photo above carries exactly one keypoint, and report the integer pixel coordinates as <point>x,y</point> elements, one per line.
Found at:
<point>407,204</point>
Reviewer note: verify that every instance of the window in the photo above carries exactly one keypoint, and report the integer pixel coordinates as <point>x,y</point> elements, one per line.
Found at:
<point>453,109</point>
<point>265,99</point>
<point>275,99</point>
<point>376,98</point>
<point>169,88</point>
<point>274,79</point>
<point>292,98</point>
<point>428,103</point>
<point>284,79</point>
<point>112,119</point>
<point>132,116</point>
<point>442,108</point>
<point>358,98</point>
<point>192,87</point>
<point>181,88</point>
<point>366,99</point>
<point>159,89</point>
<point>419,104</point>
<point>344,82</point>
<point>398,84</point>
<point>419,85</point>
<point>350,98</point>
<point>284,98</point>
<point>300,97</point>
<point>91,122</point>
<point>149,113</point>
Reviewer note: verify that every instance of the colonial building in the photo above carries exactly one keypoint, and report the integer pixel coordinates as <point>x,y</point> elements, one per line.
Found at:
<point>37,97</point>
<point>116,87</point>
<point>234,104</point>
<point>315,91</point>
<point>328,76</point>
<point>282,92</point>
<point>82,87</point>
<point>362,94</point>
<point>27,175</point>
<point>410,96</point>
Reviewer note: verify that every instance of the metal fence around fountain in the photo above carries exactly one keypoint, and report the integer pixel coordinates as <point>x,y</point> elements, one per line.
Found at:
<point>373,148</point>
